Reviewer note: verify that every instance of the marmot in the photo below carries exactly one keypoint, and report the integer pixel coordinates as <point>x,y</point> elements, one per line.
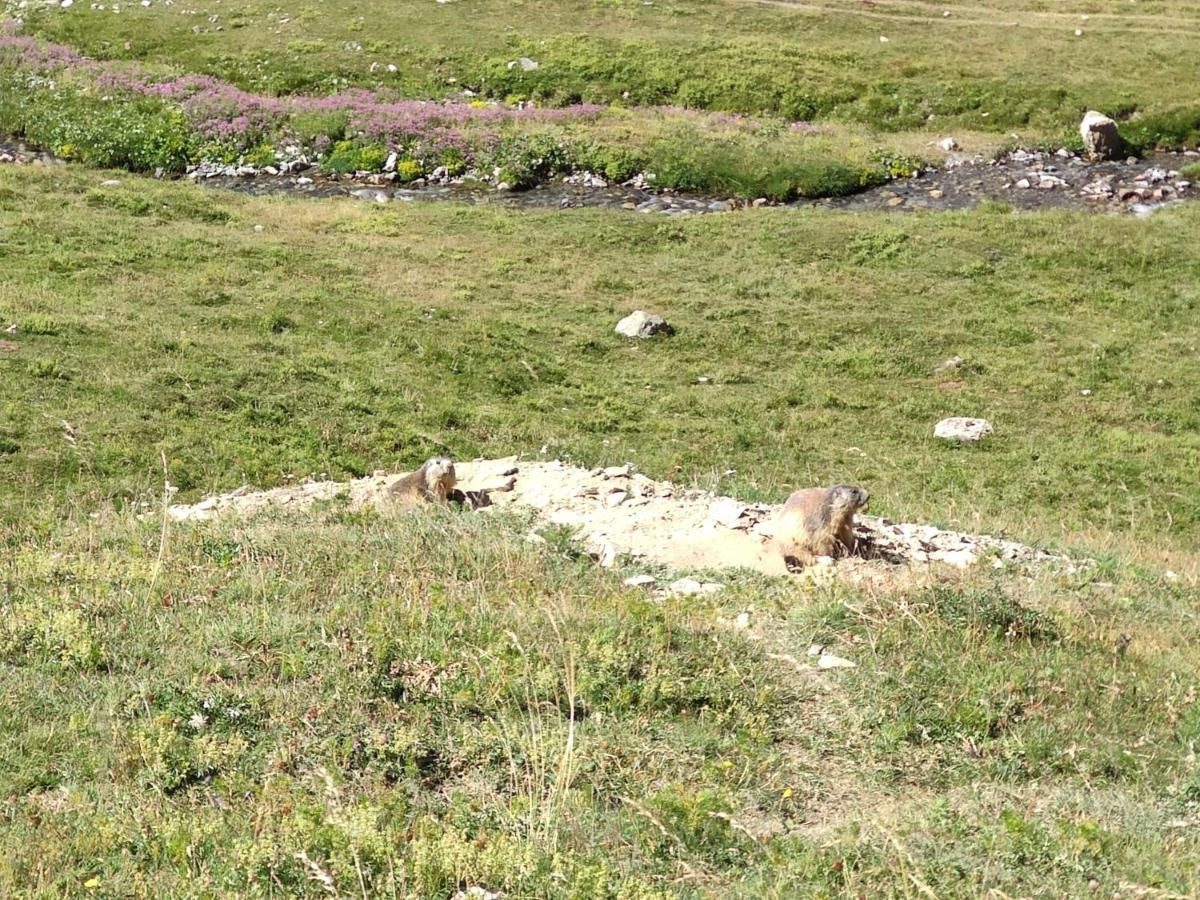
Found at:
<point>432,483</point>
<point>818,522</point>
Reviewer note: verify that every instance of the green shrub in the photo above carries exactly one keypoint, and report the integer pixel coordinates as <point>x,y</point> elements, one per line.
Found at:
<point>527,159</point>
<point>618,163</point>
<point>347,157</point>
<point>408,169</point>
<point>1173,128</point>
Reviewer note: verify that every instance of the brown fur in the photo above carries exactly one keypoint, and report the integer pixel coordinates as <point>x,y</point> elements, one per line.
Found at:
<point>432,483</point>
<point>818,522</point>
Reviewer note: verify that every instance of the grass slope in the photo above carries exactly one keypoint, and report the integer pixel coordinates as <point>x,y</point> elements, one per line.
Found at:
<point>155,321</point>
<point>369,706</point>
<point>1005,66</point>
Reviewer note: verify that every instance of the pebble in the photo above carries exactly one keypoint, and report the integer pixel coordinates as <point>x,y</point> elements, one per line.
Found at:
<point>828,661</point>
<point>640,581</point>
<point>689,587</point>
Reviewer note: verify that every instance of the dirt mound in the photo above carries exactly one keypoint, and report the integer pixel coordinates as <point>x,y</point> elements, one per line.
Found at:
<point>619,512</point>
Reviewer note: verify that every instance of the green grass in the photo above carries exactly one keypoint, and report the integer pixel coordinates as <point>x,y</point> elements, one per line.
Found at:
<point>344,337</point>
<point>1012,65</point>
<point>369,704</point>
<point>406,707</point>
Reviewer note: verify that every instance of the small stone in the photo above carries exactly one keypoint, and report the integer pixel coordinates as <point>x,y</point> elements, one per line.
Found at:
<point>641,324</point>
<point>603,551</point>
<point>936,194</point>
<point>110,183</point>
<point>948,144</point>
<point>1078,32</point>
<point>689,587</point>
<point>816,649</point>
<point>742,621</point>
<point>882,39</point>
<point>725,511</point>
<point>615,499</point>
<point>760,202</point>
<point>828,661</point>
<point>1023,183</point>
<point>640,581</point>
<point>258,229</point>
<point>961,428</point>
<point>617,471</point>
<point>896,201</point>
<point>475,892</point>
<point>954,362</point>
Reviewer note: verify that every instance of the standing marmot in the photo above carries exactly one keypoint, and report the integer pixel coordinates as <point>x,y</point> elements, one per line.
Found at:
<point>431,483</point>
<point>818,522</point>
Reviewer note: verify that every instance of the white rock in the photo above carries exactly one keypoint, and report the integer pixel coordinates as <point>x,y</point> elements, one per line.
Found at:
<point>640,581</point>
<point>1023,183</point>
<point>948,144</point>
<point>526,64</point>
<point>641,324</point>
<point>602,550</point>
<point>258,229</point>
<point>961,428</point>
<point>742,621</point>
<point>1101,139</point>
<point>475,892</point>
<point>827,661</point>
<point>725,511</point>
<point>954,362</point>
<point>689,586</point>
<point>112,182</point>
<point>816,649</point>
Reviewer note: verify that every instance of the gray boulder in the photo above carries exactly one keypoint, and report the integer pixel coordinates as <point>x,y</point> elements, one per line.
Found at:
<point>1101,139</point>
<point>641,324</point>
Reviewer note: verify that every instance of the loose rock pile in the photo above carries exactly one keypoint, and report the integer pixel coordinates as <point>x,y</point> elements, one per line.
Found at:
<point>616,512</point>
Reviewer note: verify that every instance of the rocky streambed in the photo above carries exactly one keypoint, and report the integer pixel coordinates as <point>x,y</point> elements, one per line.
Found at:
<point>1026,180</point>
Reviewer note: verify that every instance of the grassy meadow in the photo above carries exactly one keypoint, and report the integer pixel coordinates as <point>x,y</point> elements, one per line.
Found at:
<point>340,703</point>
<point>155,318</point>
<point>1008,65</point>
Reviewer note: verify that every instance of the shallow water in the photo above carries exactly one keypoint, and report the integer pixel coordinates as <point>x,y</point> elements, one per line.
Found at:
<point>1026,181</point>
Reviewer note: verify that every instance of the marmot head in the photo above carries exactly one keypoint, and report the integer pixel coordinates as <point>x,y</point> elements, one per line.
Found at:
<point>438,470</point>
<point>847,498</point>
